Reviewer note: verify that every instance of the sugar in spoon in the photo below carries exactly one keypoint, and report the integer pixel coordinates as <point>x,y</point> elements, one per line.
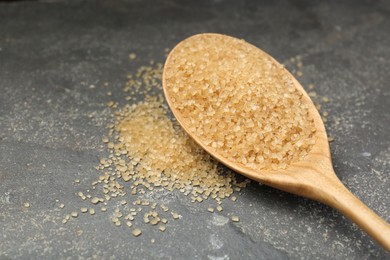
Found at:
<point>310,176</point>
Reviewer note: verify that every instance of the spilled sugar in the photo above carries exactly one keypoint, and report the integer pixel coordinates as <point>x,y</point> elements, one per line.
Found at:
<point>150,153</point>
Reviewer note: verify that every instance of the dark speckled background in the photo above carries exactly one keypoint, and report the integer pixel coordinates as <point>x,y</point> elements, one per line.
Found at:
<point>51,51</point>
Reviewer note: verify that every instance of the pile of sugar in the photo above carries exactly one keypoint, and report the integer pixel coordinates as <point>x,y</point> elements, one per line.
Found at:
<point>239,102</point>
<point>150,154</point>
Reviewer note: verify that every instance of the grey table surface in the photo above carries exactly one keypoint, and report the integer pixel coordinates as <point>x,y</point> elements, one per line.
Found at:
<point>51,51</point>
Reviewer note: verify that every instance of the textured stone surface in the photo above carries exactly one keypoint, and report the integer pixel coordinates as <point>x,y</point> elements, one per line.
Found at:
<point>51,51</point>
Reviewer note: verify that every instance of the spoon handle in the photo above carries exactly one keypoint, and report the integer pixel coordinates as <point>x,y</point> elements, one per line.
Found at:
<point>343,200</point>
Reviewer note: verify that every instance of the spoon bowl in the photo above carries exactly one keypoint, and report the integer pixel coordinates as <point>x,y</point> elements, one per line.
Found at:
<point>312,176</point>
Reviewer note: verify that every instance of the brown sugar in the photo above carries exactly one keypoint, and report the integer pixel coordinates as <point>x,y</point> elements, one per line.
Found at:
<point>239,102</point>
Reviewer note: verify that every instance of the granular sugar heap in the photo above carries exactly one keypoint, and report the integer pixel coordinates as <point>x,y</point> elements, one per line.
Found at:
<point>150,153</point>
<point>239,102</point>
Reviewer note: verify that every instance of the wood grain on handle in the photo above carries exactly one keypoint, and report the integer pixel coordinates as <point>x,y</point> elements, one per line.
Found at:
<point>340,198</point>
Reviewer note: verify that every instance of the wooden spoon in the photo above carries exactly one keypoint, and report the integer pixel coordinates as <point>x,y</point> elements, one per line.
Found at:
<point>313,177</point>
